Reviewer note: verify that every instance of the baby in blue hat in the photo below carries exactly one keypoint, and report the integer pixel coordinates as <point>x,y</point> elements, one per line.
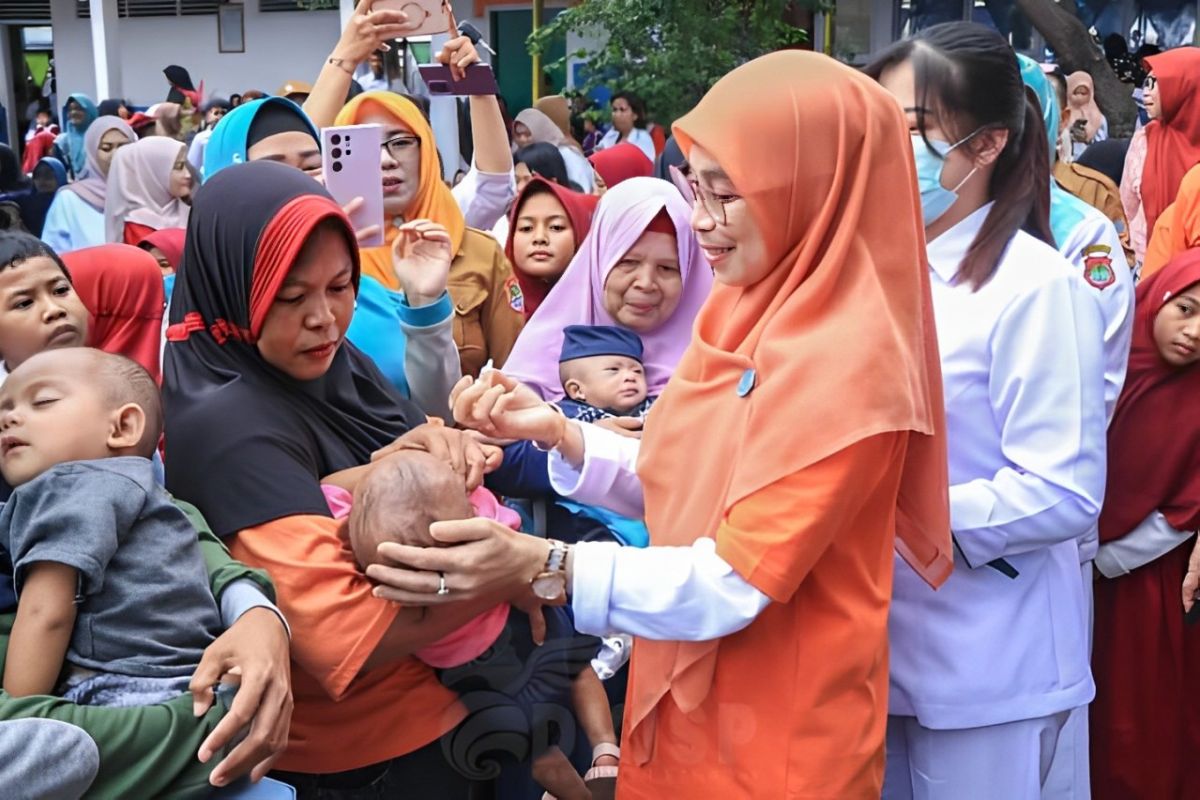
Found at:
<point>602,374</point>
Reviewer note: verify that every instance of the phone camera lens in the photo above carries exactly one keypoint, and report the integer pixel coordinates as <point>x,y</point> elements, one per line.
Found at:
<point>337,166</point>
<point>336,138</point>
<point>347,153</point>
<point>336,152</point>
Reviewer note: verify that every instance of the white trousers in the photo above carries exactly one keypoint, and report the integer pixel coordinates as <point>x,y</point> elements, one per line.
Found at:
<point>1070,775</point>
<point>998,762</point>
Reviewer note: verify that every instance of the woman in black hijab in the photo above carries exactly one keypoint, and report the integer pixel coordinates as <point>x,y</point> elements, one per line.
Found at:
<point>265,400</point>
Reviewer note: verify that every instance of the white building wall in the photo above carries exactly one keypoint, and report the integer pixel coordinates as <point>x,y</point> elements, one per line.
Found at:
<point>279,47</point>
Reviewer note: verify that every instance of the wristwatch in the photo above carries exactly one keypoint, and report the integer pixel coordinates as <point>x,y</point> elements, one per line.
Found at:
<point>551,583</point>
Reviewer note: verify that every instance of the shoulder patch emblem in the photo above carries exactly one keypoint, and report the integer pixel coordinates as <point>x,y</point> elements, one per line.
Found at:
<point>1097,266</point>
<point>515,298</point>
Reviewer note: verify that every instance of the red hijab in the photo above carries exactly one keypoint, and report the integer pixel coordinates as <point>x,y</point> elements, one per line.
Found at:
<point>122,288</point>
<point>1172,140</point>
<point>1154,438</point>
<point>621,163</point>
<point>169,242</point>
<point>579,208</point>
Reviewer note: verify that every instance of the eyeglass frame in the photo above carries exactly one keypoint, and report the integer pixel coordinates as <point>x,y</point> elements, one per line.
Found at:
<point>387,146</point>
<point>693,192</point>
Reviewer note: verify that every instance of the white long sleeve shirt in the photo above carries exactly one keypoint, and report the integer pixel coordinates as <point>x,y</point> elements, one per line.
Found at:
<point>1089,240</point>
<point>483,197</point>
<point>1023,375</point>
<point>667,593</point>
<point>1149,541</point>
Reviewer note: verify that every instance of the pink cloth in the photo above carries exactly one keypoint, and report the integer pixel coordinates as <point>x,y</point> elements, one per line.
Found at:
<point>621,217</point>
<point>1131,194</point>
<point>470,640</point>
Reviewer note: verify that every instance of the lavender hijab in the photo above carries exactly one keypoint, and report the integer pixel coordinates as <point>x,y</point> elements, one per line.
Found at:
<point>92,187</point>
<point>621,218</point>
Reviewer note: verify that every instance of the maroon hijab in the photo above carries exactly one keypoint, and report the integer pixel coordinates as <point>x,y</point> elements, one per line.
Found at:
<point>1154,438</point>
<point>579,208</point>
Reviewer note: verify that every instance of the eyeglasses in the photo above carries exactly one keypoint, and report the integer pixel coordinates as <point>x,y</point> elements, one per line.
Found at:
<point>397,146</point>
<point>715,205</point>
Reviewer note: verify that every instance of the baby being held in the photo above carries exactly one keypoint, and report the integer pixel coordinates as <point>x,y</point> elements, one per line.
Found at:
<point>108,571</point>
<point>601,370</point>
<point>398,501</point>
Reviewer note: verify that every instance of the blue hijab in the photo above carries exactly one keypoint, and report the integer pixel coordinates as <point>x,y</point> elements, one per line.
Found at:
<point>71,140</point>
<point>228,144</point>
<point>1035,78</point>
<point>57,167</point>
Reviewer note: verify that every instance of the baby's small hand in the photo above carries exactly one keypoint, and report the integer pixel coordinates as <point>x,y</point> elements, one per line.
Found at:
<point>537,618</point>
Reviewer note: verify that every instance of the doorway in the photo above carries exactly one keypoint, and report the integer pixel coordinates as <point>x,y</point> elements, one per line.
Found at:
<point>514,65</point>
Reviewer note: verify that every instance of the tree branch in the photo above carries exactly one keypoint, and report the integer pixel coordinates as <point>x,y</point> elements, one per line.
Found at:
<point>1060,26</point>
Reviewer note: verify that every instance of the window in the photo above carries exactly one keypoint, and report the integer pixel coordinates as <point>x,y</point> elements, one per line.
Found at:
<point>24,11</point>
<point>153,8</point>
<point>297,5</point>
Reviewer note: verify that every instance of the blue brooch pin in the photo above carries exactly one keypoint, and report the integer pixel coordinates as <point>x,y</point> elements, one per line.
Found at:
<point>746,383</point>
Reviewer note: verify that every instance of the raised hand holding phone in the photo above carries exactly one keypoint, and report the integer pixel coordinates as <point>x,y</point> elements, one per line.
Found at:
<point>421,257</point>
<point>458,54</point>
<point>373,24</point>
<point>352,173</point>
<point>425,17</point>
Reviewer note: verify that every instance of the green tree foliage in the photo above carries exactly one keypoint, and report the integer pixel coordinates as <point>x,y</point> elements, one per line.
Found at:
<point>670,52</point>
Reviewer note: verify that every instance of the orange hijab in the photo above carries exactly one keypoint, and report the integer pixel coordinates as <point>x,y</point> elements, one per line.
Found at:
<point>840,333</point>
<point>433,200</point>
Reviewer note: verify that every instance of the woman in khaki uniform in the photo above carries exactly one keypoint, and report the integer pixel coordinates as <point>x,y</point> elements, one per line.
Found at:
<point>488,305</point>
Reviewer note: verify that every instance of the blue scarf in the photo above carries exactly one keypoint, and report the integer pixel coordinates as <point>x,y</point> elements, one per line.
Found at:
<point>74,150</point>
<point>227,146</point>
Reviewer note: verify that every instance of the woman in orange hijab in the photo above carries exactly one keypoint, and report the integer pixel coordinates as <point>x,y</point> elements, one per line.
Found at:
<point>488,305</point>
<point>775,484</point>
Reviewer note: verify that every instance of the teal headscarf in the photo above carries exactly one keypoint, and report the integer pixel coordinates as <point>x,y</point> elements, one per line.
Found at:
<point>227,146</point>
<point>70,141</point>
<point>1035,78</point>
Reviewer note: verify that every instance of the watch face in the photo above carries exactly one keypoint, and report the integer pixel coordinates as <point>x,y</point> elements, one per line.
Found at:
<point>548,587</point>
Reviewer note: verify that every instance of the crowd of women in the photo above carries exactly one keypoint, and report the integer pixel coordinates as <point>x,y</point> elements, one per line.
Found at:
<point>885,489</point>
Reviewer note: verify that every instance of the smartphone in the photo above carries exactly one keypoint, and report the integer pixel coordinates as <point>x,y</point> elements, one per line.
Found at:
<point>350,161</point>
<point>479,80</point>
<point>429,16</point>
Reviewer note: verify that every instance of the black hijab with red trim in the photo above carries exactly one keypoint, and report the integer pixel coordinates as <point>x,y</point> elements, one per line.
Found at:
<point>247,443</point>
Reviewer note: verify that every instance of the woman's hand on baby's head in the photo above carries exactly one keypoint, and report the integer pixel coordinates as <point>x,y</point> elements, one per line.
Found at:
<point>464,455</point>
<point>479,558</point>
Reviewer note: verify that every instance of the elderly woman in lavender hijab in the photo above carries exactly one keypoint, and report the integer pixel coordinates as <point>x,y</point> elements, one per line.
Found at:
<point>640,268</point>
<point>76,217</point>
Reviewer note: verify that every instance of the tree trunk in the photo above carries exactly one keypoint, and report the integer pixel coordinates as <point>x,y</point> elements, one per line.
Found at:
<point>1073,45</point>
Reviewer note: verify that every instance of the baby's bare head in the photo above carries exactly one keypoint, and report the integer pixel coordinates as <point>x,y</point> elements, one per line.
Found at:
<point>400,498</point>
